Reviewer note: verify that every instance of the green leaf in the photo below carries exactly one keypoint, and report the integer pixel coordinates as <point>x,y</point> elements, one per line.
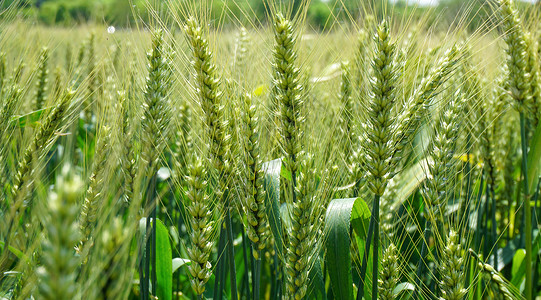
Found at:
<point>18,253</point>
<point>272,171</point>
<point>403,287</point>
<point>338,221</point>
<point>164,259</point>
<point>285,215</point>
<point>517,261</point>
<point>410,179</point>
<point>179,262</point>
<point>534,160</point>
<point>516,280</point>
<point>361,243</point>
<point>29,119</point>
<point>286,174</point>
<point>164,267</point>
<point>360,218</point>
<point>317,283</point>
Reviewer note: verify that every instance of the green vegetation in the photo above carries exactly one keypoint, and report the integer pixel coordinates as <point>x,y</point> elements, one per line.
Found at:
<point>319,13</point>
<point>270,150</point>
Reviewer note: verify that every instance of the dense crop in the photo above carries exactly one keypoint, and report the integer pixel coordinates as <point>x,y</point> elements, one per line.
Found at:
<point>271,163</point>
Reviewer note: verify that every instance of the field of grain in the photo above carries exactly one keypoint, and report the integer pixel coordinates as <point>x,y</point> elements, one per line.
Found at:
<point>384,158</point>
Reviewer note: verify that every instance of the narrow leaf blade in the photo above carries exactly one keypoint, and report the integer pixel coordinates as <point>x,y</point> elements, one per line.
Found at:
<point>164,267</point>
<point>337,243</point>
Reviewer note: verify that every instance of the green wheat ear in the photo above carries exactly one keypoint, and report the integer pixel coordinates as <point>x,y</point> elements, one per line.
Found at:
<point>443,165</point>
<point>289,92</point>
<point>68,58</point>
<point>114,245</point>
<point>128,159</point>
<point>95,198</point>
<point>347,139</point>
<point>301,245</point>
<point>3,70</point>
<point>210,95</point>
<point>57,84</point>
<point>58,271</point>
<point>18,72</point>
<point>43,139</point>
<point>520,87</point>
<point>201,227</point>
<point>41,85</point>
<point>215,126</point>
<point>183,140</point>
<point>254,204</point>
<point>347,126</point>
<point>389,274</point>
<point>533,68</point>
<point>92,72</point>
<point>7,110</point>
<point>504,288</point>
<point>517,54</point>
<point>377,140</point>
<point>452,269</point>
<point>156,108</point>
<point>418,104</point>
<point>380,121</point>
<point>241,51</point>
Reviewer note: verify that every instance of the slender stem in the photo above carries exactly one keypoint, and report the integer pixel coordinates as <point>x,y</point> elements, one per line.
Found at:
<point>146,270</point>
<point>275,283</point>
<point>536,203</point>
<point>252,261</point>
<point>509,201</point>
<point>223,273</point>
<point>375,251</point>
<point>154,204</point>
<point>231,253</point>
<point>536,274</point>
<point>486,234</point>
<point>527,210</point>
<point>279,289</point>
<point>179,226</point>
<point>466,203</point>
<point>422,263</point>
<point>150,241</point>
<point>293,181</point>
<point>142,268</point>
<point>518,204</point>
<point>360,286</point>
<point>466,216</point>
<point>479,215</point>
<point>356,188</point>
<point>245,276</point>
<point>535,199</point>
<point>508,213</point>
<point>257,276</point>
<point>494,227</point>
<point>219,266</point>
<point>435,276</point>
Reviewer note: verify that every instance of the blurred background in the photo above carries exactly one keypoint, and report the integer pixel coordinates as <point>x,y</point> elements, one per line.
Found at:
<point>120,13</point>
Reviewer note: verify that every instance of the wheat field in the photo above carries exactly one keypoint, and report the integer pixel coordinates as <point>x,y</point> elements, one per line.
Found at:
<point>383,157</point>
